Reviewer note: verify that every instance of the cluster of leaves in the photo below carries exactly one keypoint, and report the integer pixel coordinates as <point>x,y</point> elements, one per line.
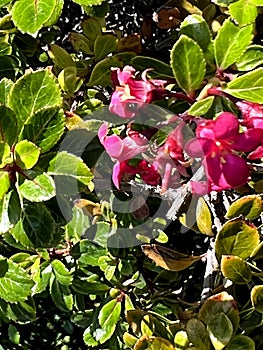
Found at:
<point>62,283</point>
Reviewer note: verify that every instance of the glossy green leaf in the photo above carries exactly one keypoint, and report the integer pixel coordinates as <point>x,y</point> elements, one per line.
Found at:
<point>33,92</point>
<point>243,11</point>
<point>26,154</point>
<point>5,155</point>
<point>24,311</point>
<point>8,125</point>
<point>108,318</point>
<point>248,86</point>
<point>81,43</point>
<point>41,279</point>
<point>200,108</point>
<point>196,28</point>
<point>15,283</point>
<point>45,128</point>
<point>30,15</point>
<point>67,164</point>
<point>198,334</point>
<point>220,331</point>
<point>159,68</point>
<point>56,13</point>
<point>39,189</point>
<point>91,28</point>
<point>61,295</point>
<point>218,303</point>
<point>251,58</point>
<point>78,225</point>
<point>236,238</point>
<point>89,285</point>
<point>247,206</point>
<point>257,298</point>
<point>241,342</point>
<point>4,183</point>
<point>188,64</point>
<point>5,86</point>
<point>231,42</point>
<point>235,269</point>
<point>90,253</point>
<point>63,275</point>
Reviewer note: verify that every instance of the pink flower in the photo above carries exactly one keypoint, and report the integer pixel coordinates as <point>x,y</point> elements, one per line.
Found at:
<point>122,149</point>
<point>219,143</point>
<point>131,93</point>
<point>252,114</point>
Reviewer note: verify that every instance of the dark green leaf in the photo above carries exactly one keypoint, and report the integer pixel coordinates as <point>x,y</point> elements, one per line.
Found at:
<point>45,128</point>
<point>9,211</point>
<point>103,45</point>
<point>81,43</point>
<point>231,42</point>
<point>108,317</point>
<point>40,189</point>
<point>91,28</point>
<point>236,238</point>
<point>8,67</point>
<point>241,342</point>
<point>188,64</point>
<point>29,15</point>
<point>61,295</point>
<point>220,331</point>
<point>89,286</point>
<point>198,334</point>
<point>160,69</point>
<point>248,86</point>
<point>26,154</point>
<point>247,206</point>
<point>5,154</point>
<point>8,125</point>
<point>257,298</point>
<point>235,269</point>
<point>15,284</point>
<point>5,86</point>
<point>251,58</point>
<point>60,57</point>
<point>33,92</point>
<point>13,334</point>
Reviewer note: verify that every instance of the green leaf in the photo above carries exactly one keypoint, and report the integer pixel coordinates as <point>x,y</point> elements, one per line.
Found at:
<point>40,189</point>
<point>101,72</point>
<point>196,28</point>
<point>30,15</point>
<point>247,206</point>
<point>241,342</point>
<point>45,128</point>
<point>67,79</point>
<point>236,238</point>
<point>67,164</point>
<point>224,2</point>
<point>41,279</point>
<point>81,43</point>
<point>4,183</point>
<point>8,125</point>
<point>90,253</point>
<point>78,225</point>
<point>89,2</point>
<point>63,275</point>
<point>33,92</point>
<point>15,284</point>
<point>230,43</point>
<point>103,45</point>
<point>235,269</point>
<point>4,2</point>
<point>5,86</point>
<point>251,58</point>
<point>160,69</point>
<point>248,86</point>
<point>257,298</point>
<point>13,334</point>
<point>203,217</point>
<point>181,340</point>
<point>9,210</point>
<point>61,295</point>
<point>198,334</point>
<point>38,225</point>
<point>5,155</point>
<point>200,108</point>
<point>89,286</point>
<point>188,64</point>
<point>218,303</point>
<point>26,154</point>
<point>60,57</point>
<point>91,28</point>
<point>56,13</point>
<point>8,67</point>
<point>220,331</point>
<point>5,48</point>
<point>243,12</point>
<point>108,318</point>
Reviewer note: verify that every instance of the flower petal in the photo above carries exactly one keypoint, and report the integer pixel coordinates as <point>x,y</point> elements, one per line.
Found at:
<point>226,126</point>
<point>235,170</point>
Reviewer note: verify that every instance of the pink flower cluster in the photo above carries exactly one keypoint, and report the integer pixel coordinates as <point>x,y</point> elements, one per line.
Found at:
<point>224,145</point>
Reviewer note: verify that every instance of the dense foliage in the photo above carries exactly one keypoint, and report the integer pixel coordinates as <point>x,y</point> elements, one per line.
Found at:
<point>131,174</point>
